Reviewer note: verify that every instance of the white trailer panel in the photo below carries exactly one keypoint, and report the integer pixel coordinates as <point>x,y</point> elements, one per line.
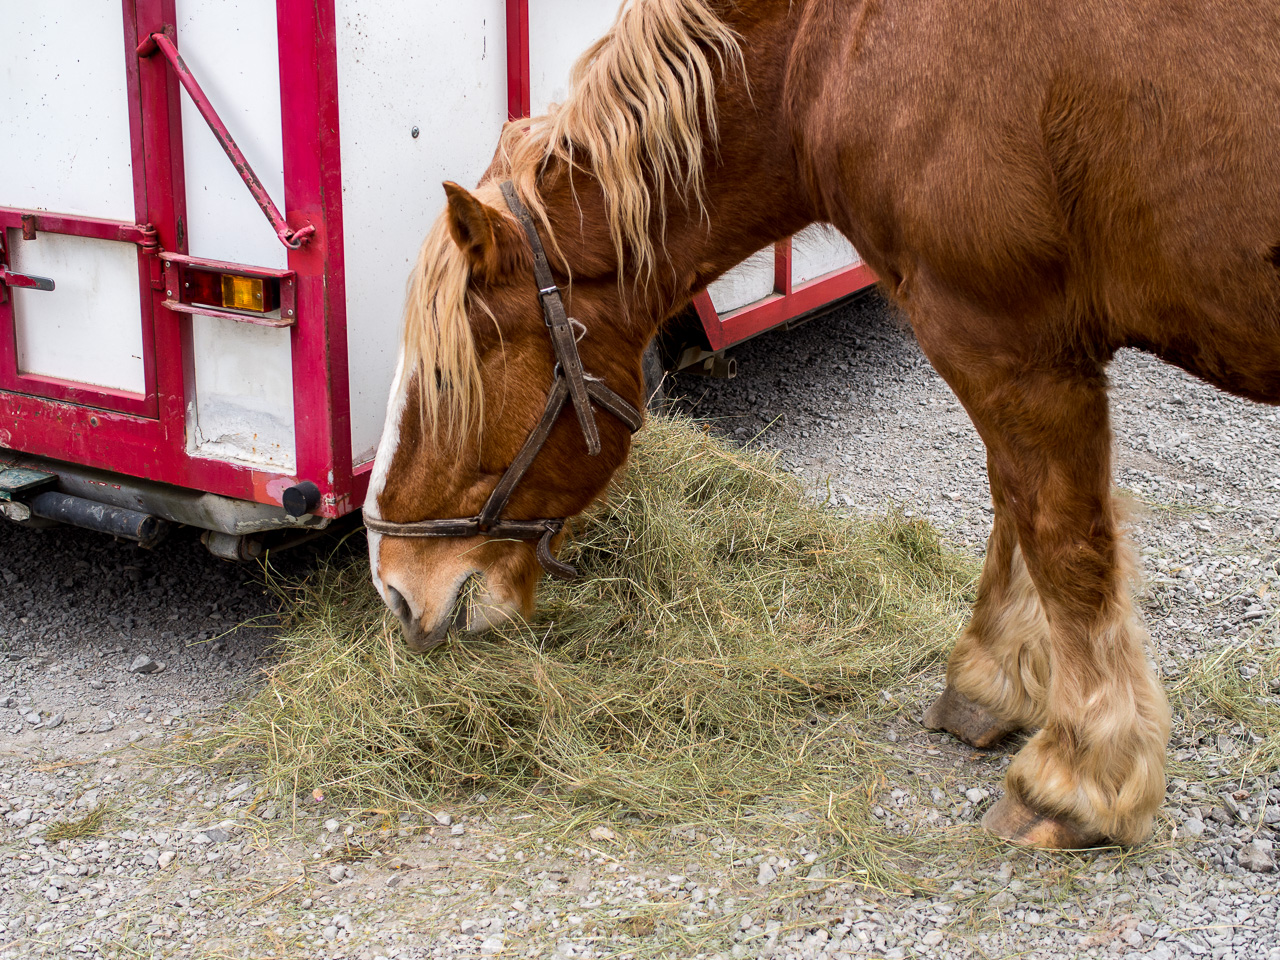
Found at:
<point>86,329</point>
<point>819,250</point>
<point>749,281</point>
<point>64,110</point>
<point>243,408</point>
<point>559,32</point>
<point>393,62</point>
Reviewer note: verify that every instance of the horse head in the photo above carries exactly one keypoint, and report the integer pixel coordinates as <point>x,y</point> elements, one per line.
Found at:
<point>480,463</point>
<point>615,187</point>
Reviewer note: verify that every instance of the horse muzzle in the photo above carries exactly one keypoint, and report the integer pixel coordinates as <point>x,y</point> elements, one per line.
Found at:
<point>471,609</point>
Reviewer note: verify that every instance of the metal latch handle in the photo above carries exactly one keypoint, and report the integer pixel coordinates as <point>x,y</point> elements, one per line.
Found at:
<point>22,280</point>
<point>8,280</point>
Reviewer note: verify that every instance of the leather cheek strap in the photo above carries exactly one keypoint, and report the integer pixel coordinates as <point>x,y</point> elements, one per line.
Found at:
<point>571,383</point>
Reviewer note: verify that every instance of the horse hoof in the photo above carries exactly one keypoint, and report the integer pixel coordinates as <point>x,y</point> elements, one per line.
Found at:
<point>1013,820</point>
<point>966,720</point>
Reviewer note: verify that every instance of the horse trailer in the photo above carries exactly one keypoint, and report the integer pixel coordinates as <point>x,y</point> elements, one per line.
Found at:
<point>210,209</point>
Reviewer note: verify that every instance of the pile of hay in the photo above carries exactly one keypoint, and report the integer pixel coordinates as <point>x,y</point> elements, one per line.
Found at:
<point>724,639</point>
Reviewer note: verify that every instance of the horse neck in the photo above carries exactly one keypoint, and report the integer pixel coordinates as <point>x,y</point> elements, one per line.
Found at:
<point>753,193</point>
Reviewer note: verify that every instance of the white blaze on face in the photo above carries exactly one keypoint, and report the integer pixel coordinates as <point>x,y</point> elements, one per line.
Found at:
<point>382,463</point>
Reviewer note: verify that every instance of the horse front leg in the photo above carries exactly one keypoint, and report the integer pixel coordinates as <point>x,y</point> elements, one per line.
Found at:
<point>1095,770</point>
<point>998,670</point>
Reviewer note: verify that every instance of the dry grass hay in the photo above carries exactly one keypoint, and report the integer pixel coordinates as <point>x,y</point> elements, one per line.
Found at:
<point>725,639</point>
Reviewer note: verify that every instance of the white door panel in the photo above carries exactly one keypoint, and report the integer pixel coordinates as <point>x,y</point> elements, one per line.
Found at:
<point>64,109</point>
<point>88,328</point>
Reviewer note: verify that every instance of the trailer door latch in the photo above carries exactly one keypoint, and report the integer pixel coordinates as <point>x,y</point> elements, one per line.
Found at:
<point>8,279</point>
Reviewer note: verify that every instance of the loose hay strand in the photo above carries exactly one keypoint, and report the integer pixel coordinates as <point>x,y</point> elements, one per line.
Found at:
<point>719,612</point>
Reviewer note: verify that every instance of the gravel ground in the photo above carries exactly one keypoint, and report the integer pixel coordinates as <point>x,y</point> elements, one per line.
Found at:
<point>107,650</point>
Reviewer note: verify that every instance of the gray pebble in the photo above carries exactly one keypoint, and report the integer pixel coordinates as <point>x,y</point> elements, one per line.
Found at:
<point>1257,856</point>
<point>144,664</point>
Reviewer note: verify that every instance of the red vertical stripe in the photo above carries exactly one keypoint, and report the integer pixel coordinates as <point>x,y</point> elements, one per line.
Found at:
<point>518,97</point>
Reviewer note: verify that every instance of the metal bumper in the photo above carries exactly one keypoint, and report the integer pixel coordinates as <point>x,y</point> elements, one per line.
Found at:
<point>208,511</point>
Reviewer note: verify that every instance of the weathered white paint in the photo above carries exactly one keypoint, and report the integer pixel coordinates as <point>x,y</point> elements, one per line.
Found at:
<point>244,400</point>
<point>440,66</point>
<point>818,250</point>
<point>559,32</point>
<point>64,109</point>
<point>88,329</point>
<point>749,281</point>
<point>64,123</point>
<point>230,46</point>
<point>243,409</point>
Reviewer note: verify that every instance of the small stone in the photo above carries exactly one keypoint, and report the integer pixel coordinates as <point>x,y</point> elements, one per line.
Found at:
<point>975,795</point>
<point>1257,857</point>
<point>337,872</point>
<point>747,922</point>
<point>491,946</point>
<point>165,859</point>
<point>330,932</point>
<point>468,927</point>
<point>766,875</point>
<point>1193,828</point>
<point>143,664</point>
<point>457,830</point>
<point>103,726</point>
<point>442,818</point>
<point>602,834</point>
<point>20,818</point>
<point>55,721</point>
<point>932,938</point>
<point>97,685</point>
<point>1133,938</point>
<point>331,825</point>
<point>32,718</point>
<point>217,835</point>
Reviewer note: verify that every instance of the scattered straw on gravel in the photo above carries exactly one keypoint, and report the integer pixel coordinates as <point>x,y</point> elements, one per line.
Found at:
<point>722,622</point>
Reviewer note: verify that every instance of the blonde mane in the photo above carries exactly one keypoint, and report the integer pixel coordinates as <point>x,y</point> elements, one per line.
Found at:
<point>634,120</point>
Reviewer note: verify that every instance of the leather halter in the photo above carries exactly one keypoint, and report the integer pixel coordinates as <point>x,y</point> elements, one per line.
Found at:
<point>571,383</point>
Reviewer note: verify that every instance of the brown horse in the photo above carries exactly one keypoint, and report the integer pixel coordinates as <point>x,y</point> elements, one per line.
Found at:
<point>1036,185</point>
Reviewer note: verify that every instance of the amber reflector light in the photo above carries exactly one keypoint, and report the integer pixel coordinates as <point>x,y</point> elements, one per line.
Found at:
<point>231,291</point>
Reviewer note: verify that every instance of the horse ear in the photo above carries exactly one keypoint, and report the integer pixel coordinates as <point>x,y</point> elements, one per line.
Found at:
<point>477,229</point>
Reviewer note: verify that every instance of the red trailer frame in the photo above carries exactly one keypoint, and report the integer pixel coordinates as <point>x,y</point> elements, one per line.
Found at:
<point>144,434</point>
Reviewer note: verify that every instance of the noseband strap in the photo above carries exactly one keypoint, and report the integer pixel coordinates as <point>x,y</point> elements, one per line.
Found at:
<point>571,383</point>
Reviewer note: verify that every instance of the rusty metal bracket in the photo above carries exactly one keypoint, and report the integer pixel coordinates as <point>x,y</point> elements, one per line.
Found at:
<point>162,42</point>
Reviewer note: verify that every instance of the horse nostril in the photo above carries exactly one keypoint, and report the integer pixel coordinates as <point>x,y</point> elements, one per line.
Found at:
<point>398,604</point>
<point>413,632</point>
